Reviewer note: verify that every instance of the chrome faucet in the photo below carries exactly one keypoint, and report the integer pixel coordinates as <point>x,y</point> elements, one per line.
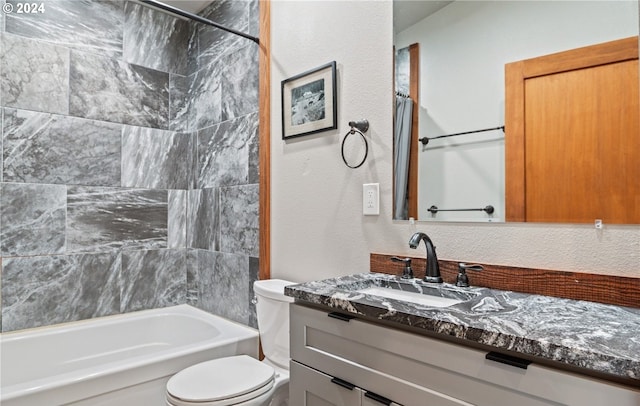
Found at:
<point>432,273</point>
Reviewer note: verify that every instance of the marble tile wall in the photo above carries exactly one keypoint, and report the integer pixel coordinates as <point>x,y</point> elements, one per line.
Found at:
<point>104,219</point>
<point>152,278</point>
<point>57,149</point>
<point>109,89</point>
<point>86,25</point>
<point>179,102</point>
<point>214,88</point>
<point>33,219</point>
<point>224,152</point>
<point>177,223</point>
<point>157,159</point>
<point>203,219</point>
<point>44,290</point>
<point>239,231</point>
<point>2,16</point>
<point>214,43</point>
<point>222,216</point>
<point>221,283</point>
<point>176,35</point>
<point>34,76</point>
<point>129,162</point>
<point>95,162</point>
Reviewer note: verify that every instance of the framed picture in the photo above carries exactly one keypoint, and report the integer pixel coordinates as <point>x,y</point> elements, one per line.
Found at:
<point>309,102</point>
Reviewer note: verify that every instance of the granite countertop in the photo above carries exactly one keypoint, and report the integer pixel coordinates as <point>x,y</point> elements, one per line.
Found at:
<point>599,337</point>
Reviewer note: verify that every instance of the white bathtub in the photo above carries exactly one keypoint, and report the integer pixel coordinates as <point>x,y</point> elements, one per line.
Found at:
<point>118,360</point>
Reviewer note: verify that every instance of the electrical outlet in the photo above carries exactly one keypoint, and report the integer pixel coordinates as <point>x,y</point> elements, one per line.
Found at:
<point>371,199</point>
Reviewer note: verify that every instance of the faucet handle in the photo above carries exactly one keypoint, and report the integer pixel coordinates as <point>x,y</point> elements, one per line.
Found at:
<point>463,279</point>
<point>473,267</point>
<point>407,272</point>
<point>405,260</point>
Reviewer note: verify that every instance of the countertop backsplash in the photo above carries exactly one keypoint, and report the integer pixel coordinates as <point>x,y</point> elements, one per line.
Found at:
<point>608,289</point>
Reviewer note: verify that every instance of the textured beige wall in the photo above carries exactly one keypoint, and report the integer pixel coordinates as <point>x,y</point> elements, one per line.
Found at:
<point>317,227</point>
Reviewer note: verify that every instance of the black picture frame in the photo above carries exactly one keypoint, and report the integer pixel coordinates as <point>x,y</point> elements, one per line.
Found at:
<point>310,102</point>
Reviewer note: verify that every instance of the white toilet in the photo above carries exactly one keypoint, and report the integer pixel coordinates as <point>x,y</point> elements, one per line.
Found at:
<point>242,380</point>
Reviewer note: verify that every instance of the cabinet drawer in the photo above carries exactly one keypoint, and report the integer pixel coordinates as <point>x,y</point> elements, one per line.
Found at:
<point>422,368</point>
<point>308,387</point>
<point>334,347</point>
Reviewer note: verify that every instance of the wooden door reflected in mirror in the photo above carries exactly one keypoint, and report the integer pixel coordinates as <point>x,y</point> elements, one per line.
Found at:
<point>573,136</point>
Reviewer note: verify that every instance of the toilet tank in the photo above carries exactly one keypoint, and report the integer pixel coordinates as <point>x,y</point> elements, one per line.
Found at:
<point>272,309</point>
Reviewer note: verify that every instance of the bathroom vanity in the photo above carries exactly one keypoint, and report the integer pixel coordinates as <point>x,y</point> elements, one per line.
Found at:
<point>354,344</point>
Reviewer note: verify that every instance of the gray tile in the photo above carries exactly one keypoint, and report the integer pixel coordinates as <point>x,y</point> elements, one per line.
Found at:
<point>225,89</point>
<point>1,26</point>
<point>34,75</point>
<point>239,82</point>
<point>206,97</point>
<point>93,26</point>
<point>254,158</point>
<point>32,218</point>
<point>46,290</point>
<point>156,159</point>
<point>155,39</point>
<point>177,225</point>
<point>1,141</point>
<point>152,279</point>
<point>223,285</point>
<point>254,18</point>
<point>193,179</point>
<point>192,57</point>
<point>108,89</point>
<point>239,225</point>
<point>179,103</point>
<point>102,219</point>
<point>192,277</point>
<point>254,272</point>
<point>203,220</point>
<point>201,263</point>
<point>223,152</point>
<point>1,271</point>
<point>50,148</point>
<point>214,42</point>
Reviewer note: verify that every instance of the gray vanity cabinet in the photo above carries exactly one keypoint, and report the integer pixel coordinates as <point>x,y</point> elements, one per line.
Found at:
<point>416,370</point>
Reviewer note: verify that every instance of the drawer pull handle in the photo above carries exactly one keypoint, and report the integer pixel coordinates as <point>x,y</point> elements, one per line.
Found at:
<point>378,398</point>
<point>341,316</point>
<point>508,359</point>
<point>342,383</point>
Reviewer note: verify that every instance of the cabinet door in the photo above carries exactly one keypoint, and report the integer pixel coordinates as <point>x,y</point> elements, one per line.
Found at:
<point>308,387</point>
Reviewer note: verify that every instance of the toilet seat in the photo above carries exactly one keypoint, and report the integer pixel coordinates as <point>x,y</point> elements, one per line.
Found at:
<point>221,382</point>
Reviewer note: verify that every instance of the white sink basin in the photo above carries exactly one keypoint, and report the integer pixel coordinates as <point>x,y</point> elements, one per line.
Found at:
<point>413,297</point>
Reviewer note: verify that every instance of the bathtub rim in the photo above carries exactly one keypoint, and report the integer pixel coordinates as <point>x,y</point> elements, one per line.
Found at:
<point>184,309</point>
<point>140,362</point>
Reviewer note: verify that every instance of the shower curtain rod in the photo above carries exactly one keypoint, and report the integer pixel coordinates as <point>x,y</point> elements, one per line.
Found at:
<point>194,17</point>
<point>425,140</point>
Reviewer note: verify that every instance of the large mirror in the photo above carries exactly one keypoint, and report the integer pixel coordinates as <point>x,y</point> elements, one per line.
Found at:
<point>462,48</point>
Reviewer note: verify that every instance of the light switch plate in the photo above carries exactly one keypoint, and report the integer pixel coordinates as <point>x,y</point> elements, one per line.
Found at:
<point>371,199</point>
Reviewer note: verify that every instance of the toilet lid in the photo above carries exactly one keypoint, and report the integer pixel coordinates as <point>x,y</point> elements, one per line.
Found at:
<point>220,379</point>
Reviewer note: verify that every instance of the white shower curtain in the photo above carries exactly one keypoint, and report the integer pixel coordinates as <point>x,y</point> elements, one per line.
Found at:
<point>402,145</point>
